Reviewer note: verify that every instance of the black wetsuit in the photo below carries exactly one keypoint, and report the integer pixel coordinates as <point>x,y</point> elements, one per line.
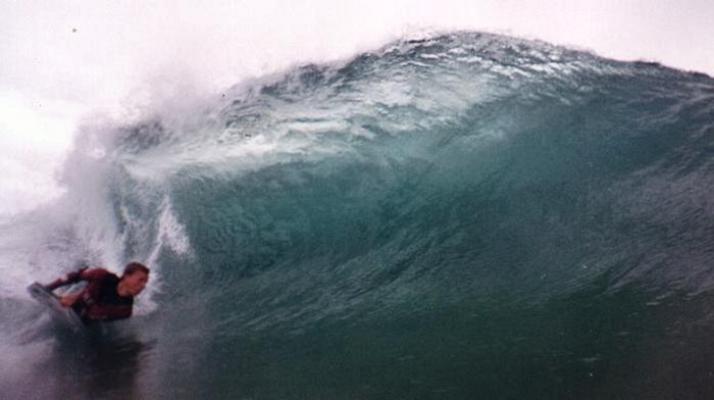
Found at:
<point>99,300</point>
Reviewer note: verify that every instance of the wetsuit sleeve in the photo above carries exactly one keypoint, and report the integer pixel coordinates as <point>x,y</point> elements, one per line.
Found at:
<point>94,274</point>
<point>82,274</point>
<point>70,278</point>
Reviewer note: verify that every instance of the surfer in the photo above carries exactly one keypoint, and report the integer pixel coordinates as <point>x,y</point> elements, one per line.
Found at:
<point>106,296</point>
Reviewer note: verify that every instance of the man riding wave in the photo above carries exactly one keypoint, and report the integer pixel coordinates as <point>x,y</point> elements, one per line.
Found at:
<point>106,297</point>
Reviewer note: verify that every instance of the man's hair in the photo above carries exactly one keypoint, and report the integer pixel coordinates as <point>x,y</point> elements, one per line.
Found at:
<point>133,267</point>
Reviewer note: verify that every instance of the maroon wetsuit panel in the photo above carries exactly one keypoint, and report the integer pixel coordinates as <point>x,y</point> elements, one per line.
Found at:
<point>99,300</point>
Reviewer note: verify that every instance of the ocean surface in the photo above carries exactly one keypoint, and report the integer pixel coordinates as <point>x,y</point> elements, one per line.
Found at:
<point>454,216</point>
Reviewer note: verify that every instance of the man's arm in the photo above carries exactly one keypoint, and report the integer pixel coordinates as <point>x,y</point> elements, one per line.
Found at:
<point>69,299</point>
<point>82,274</point>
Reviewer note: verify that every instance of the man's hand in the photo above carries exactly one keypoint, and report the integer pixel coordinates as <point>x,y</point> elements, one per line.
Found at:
<point>69,299</point>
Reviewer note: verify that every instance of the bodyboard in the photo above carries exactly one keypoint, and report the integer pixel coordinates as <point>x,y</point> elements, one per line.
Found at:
<point>62,315</point>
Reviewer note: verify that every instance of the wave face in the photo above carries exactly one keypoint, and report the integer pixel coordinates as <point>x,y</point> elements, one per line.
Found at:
<point>459,216</point>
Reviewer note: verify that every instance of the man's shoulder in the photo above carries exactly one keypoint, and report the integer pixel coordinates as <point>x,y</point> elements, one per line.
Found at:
<point>98,274</point>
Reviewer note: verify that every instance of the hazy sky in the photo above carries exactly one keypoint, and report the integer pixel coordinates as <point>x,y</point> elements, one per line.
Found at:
<point>77,51</point>
<point>60,59</point>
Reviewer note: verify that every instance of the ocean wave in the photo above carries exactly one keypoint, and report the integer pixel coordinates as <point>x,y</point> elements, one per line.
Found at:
<point>445,173</point>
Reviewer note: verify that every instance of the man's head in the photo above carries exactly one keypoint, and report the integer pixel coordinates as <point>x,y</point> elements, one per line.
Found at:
<point>134,279</point>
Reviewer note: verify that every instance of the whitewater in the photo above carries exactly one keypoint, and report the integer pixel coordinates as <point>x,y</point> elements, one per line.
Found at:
<point>454,216</point>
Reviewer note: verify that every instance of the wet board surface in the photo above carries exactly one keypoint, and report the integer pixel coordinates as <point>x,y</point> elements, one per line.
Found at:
<point>62,315</point>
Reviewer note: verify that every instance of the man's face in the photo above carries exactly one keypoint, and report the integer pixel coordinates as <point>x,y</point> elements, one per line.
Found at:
<point>135,283</point>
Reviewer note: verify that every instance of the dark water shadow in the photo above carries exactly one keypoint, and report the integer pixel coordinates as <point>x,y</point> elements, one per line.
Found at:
<point>102,362</point>
<point>591,344</point>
